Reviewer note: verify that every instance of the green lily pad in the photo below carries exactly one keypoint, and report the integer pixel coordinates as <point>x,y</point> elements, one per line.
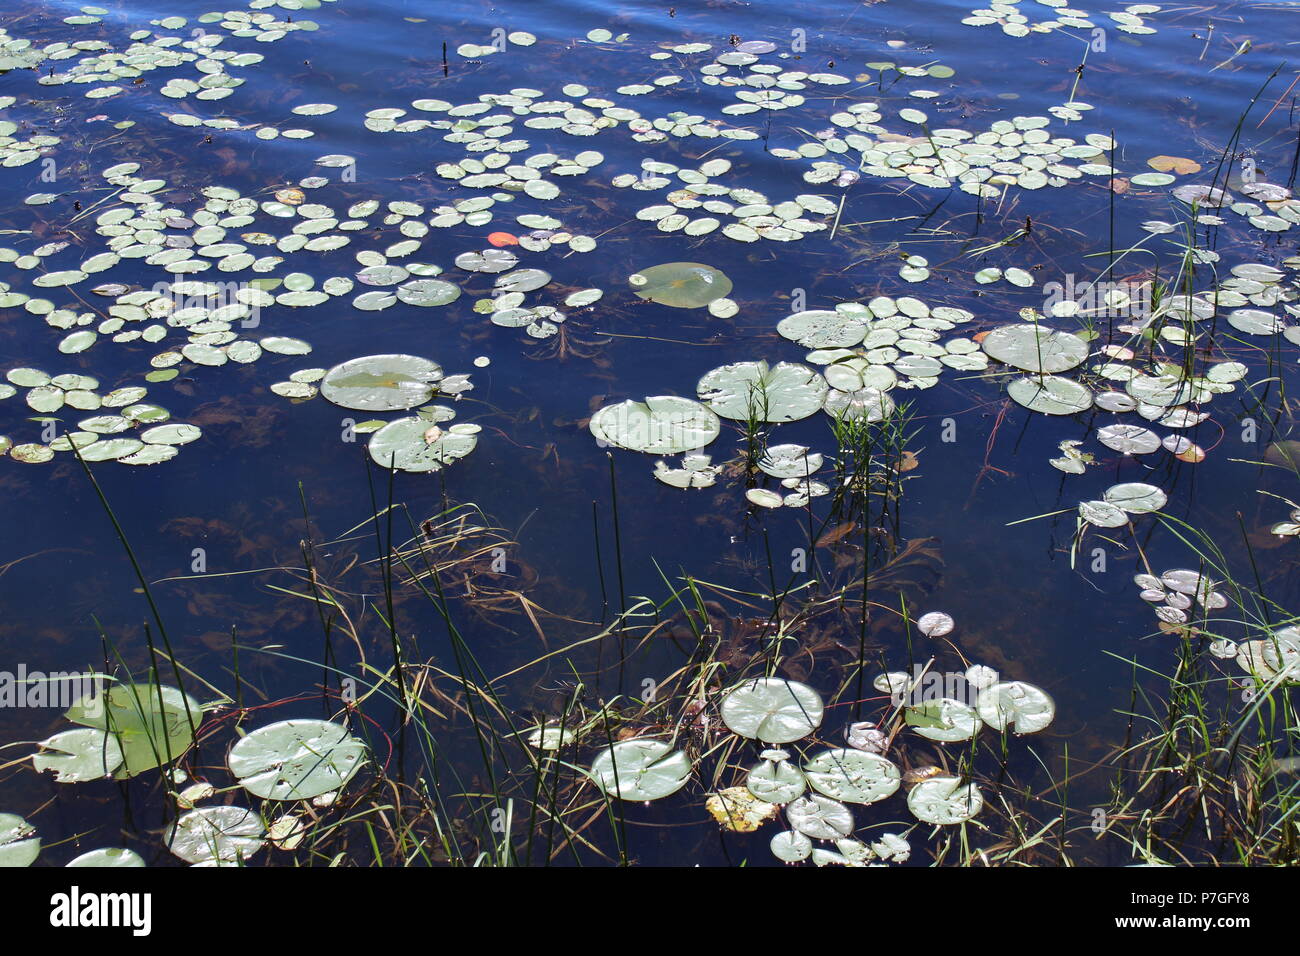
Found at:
<point>19,845</point>
<point>944,800</point>
<point>640,769</point>
<point>785,392</point>
<point>661,425</point>
<point>771,709</point>
<point>296,759</point>
<point>381,383</point>
<point>152,724</point>
<point>415,444</point>
<point>1035,348</point>
<point>108,857</point>
<point>79,755</point>
<point>681,285</point>
<point>1014,703</point>
<point>852,776</point>
<point>216,836</point>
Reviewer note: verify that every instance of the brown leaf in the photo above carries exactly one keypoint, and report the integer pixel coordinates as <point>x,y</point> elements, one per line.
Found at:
<point>1174,164</point>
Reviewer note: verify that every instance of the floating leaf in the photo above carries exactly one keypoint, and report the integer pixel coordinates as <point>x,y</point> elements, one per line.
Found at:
<point>784,392</point>
<point>640,769</point>
<point>661,425</point>
<point>381,383</point>
<point>296,759</point>
<point>681,285</point>
<point>772,710</point>
<point>216,836</point>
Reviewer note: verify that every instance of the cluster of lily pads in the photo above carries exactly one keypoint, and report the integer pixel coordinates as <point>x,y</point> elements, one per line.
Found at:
<point>1014,23</point>
<point>815,793</point>
<point>131,728</point>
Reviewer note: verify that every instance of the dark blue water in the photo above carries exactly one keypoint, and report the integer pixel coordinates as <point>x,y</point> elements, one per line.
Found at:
<point>238,492</point>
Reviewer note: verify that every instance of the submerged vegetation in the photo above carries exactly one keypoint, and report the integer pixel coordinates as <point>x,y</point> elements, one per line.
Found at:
<point>743,364</point>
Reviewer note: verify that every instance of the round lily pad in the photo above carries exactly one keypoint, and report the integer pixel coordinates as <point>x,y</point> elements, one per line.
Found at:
<point>296,759</point>
<point>78,755</point>
<point>784,392</point>
<point>641,769</point>
<point>852,776</point>
<point>381,383</point>
<point>108,857</point>
<point>944,800</point>
<point>1014,703</point>
<point>19,844</point>
<point>216,836</point>
<point>681,285</point>
<point>1035,348</point>
<point>417,445</point>
<point>772,709</point>
<point>661,425</point>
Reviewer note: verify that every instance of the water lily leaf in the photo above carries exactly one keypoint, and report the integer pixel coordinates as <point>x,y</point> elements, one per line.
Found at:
<point>820,817</point>
<point>823,329</point>
<point>661,425</point>
<point>381,383</point>
<point>1014,703</point>
<point>152,724</point>
<point>1129,439</point>
<point>108,857</point>
<point>1136,497</point>
<point>945,720</point>
<point>640,769</point>
<point>776,781</point>
<point>1050,395</point>
<point>411,444</point>
<point>772,709</point>
<point>681,285</point>
<point>944,800</point>
<point>1174,164</point>
<point>864,405</point>
<point>216,836</point>
<point>1035,348</point>
<point>19,845</point>
<point>791,846</point>
<point>79,755</point>
<point>784,392</point>
<point>296,759</point>
<point>852,776</point>
<point>738,810</point>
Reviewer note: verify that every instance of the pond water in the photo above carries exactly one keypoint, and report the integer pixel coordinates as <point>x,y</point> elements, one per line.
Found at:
<point>872,192</point>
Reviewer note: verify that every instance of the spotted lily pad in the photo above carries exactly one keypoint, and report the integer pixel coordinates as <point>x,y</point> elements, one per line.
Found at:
<point>216,836</point>
<point>296,759</point>
<point>772,710</point>
<point>151,724</point>
<point>784,392</point>
<point>852,776</point>
<point>640,769</point>
<point>661,425</point>
<point>381,383</point>
<point>681,285</point>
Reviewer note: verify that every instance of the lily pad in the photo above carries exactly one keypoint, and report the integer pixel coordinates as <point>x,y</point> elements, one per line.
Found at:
<point>772,710</point>
<point>381,383</point>
<point>784,392</point>
<point>79,755</point>
<point>296,759</point>
<point>852,776</point>
<point>944,800</point>
<point>1035,348</point>
<point>152,724</point>
<point>641,769</point>
<point>19,844</point>
<point>681,285</point>
<point>415,444</point>
<point>1025,707</point>
<point>661,425</point>
<point>216,836</point>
